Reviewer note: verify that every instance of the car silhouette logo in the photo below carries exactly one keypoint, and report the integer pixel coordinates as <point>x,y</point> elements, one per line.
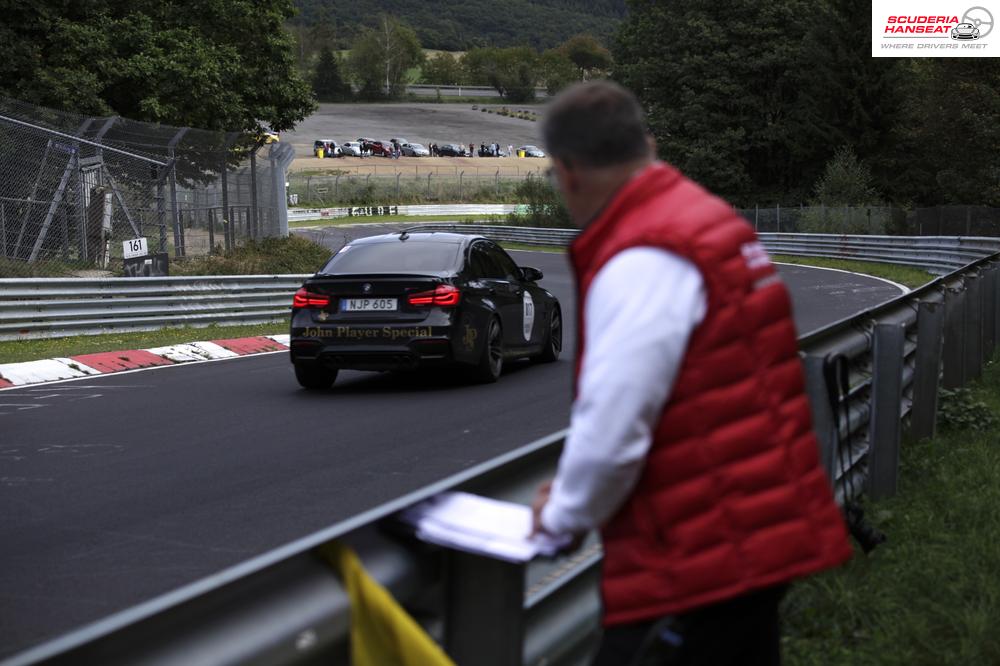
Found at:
<point>366,288</point>
<point>965,31</point>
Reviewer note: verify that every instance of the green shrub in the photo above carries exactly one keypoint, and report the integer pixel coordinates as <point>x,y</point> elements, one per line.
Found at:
<point>543,206</point>
<point>270,256</point>
<point>958,409</point>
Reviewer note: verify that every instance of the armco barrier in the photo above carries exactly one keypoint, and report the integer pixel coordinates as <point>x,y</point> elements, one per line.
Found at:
<point>54,307</point>
<point>287,606</point>
<point>306,214</point>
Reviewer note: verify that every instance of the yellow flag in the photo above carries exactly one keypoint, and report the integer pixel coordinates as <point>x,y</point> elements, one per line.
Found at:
<point>382,633</point>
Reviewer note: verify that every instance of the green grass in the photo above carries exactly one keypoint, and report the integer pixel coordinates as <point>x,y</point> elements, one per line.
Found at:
<point>930,595</point>
<point>911,277</point>
<point>533,248</point>
<point>15,351</point>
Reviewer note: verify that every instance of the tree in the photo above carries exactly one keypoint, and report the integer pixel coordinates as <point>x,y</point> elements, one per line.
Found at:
<point>513,71</point>
<point>587,54</point>
<point>946,138</point>
<point>443,69</point>
<point>157,61</point>
<point>381,57</point>
<point>846,180</point>
<point>557,70</point>
<point>727,99</point>
<point>328,84</point>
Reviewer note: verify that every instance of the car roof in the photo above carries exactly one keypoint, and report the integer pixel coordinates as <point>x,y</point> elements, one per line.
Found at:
<point>422,236</point>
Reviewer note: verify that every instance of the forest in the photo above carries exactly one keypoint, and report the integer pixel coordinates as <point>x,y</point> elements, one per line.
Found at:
<point>458,25</point>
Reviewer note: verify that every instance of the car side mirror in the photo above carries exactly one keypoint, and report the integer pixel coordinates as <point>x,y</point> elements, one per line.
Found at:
<point>529,274</point>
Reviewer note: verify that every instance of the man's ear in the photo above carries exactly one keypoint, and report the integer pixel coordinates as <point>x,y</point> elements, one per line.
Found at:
<point>567,176</point>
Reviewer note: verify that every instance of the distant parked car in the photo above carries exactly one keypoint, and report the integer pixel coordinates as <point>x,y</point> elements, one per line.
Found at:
<point>350,149</point>
<point>399,142</point>
<point>380,148</point>
<point>414,150</point>
<point>328,146</point>
<point>451,150</point>
<point>531,151</point>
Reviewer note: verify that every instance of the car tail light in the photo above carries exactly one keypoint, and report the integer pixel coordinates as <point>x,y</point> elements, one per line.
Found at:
<point>443,295</point>
<point>308,299</point>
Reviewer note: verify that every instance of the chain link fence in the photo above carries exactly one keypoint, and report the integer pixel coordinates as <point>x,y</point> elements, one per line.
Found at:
<point>74,188</point>
<point>416,185</point>
<point>878,220</point>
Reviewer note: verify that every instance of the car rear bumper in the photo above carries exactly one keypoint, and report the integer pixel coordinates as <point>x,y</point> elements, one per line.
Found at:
<point>373,348</point>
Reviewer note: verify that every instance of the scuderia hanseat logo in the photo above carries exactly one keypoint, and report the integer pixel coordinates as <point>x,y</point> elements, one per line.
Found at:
<point>931,29</point>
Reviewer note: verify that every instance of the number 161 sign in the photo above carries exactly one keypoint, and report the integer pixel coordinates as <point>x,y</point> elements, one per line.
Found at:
<point>135,247</point>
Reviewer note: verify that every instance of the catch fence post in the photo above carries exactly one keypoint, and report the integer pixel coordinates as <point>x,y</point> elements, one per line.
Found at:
<point>927,368</point>
<point>211,231</point>
<point>485,610</point>
<point>886,398</point>
<point>779,218</point>
<point>226,213</point>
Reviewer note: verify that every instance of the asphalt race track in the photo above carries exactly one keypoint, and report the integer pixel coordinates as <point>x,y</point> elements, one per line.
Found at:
<point>116,489</point>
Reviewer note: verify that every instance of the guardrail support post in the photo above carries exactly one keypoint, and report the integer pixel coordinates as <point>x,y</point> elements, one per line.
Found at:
<point>989,311</point>
<point>993,307</point>
<point>884,423</point>
<point>973,327</point>
<point>485,610</point>
<point>954,338</point>
<point>824,420</point>
<point>930,335</point>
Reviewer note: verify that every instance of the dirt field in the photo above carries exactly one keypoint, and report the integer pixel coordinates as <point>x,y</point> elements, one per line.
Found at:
<point>419,123</point>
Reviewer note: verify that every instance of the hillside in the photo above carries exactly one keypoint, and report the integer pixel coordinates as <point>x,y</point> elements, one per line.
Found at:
<point>457,25</point>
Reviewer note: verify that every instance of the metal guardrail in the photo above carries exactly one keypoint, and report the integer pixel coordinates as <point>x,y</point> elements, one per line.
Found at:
<point>286,606</point>
<point>306,214</point>
<point>935,254</point>
<point>55,307</point>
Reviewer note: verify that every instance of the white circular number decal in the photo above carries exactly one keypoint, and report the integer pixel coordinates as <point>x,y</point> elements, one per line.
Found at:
<point>529,315</point>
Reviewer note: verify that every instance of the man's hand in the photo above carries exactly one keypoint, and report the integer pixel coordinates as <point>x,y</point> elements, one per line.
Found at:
<point>541,499</point>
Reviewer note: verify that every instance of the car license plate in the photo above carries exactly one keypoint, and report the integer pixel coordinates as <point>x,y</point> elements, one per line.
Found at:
<point>367,304</point>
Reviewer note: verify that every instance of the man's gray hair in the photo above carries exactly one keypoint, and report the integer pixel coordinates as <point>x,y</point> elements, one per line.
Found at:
<point>595,124</point>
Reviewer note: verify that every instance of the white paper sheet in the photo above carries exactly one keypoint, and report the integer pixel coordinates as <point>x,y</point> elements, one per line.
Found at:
<point>481,525</point>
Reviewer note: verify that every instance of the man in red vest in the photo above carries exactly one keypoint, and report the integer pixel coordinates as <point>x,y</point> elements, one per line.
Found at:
<point>690,444</point>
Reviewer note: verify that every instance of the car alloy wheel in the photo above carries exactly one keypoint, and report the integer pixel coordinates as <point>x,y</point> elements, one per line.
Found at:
<point>553,341</point>
<point>491,362</point>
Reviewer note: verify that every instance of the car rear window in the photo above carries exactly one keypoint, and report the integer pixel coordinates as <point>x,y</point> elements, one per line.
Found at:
<point>394,257</point>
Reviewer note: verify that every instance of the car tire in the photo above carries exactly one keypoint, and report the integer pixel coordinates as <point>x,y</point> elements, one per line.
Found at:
<point>314,376</point>
<point>553,339</point>
<point>490,364</point>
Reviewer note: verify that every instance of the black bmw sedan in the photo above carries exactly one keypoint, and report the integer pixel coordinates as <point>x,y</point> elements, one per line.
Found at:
<point>416,299</point>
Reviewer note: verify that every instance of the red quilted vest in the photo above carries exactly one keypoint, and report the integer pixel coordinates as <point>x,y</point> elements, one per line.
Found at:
<point>732,497</point>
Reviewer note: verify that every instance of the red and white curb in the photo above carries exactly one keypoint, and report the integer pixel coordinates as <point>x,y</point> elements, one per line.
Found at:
<point>84,365</point>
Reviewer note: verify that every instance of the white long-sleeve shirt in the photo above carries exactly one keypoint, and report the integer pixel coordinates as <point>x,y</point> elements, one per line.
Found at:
<point>639,313</point>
